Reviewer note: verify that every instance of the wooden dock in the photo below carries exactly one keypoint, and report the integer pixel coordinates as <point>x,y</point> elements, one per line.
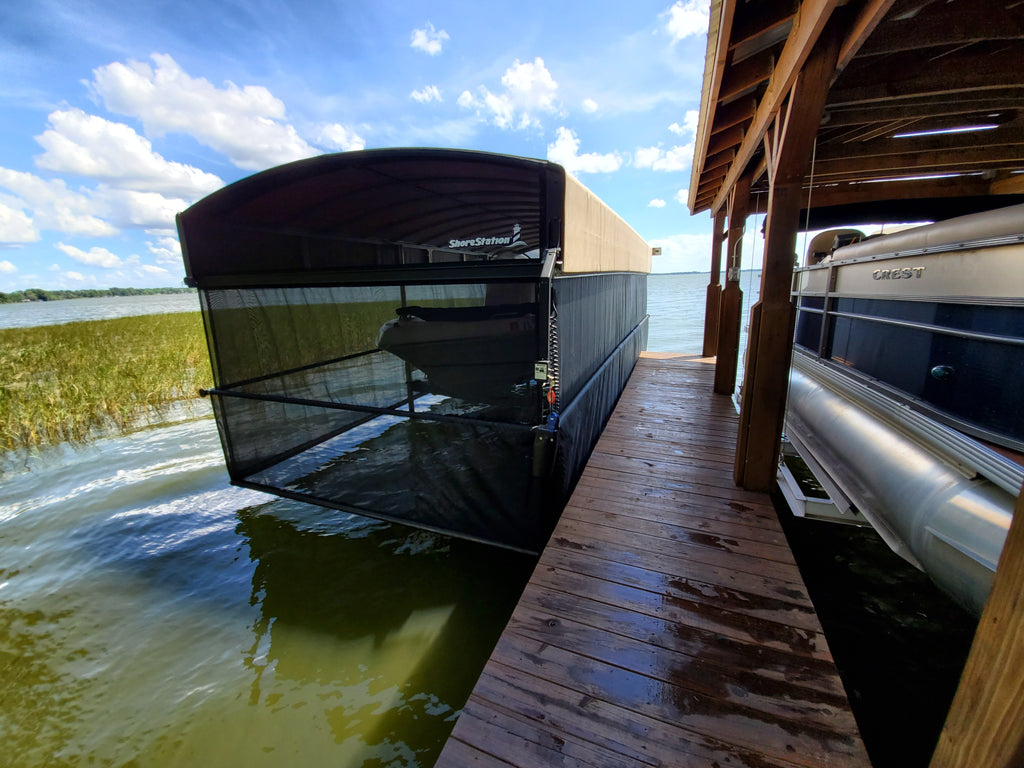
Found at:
<point>666,622</point>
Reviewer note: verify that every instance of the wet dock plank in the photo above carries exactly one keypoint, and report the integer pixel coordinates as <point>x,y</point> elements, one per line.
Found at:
<point>666,622</point>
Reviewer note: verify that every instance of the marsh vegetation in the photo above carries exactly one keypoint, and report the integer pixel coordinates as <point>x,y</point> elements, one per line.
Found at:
<point>61,383</point>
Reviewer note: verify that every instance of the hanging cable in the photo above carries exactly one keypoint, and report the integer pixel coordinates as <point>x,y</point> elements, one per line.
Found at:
<point>792,351</point>
<point>748,296</point>
<point>810,189</point>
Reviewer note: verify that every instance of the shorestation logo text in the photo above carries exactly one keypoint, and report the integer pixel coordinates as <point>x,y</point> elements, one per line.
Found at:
<point>476,242</point>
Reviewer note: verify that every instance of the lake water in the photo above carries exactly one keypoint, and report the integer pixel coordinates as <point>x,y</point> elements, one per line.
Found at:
<point>153,615</point>
<point>31,313</point>
<point>675,303</point>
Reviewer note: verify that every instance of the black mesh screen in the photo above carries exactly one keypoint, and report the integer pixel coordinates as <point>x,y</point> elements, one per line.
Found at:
<point>595,313</point>
<point>602,328</point>
<point>408,402</point>
<point>417,403</point>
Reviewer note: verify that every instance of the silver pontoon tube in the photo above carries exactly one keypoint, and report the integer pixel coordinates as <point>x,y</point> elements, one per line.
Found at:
<point>952,521</point>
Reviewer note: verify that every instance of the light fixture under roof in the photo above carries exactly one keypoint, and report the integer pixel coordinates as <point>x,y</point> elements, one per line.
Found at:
<point>940,131</point>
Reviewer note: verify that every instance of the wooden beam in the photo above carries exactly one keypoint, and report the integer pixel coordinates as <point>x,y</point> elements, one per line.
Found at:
<point>712,177</point>
<point>727,139</point>
<point>703,202</point>
<point>733,113</point>
<point>879,146</point>
<point>807,26</point>
<point>909,109</point>
<point>720,18</point>
<point>975,158</point>
<point>727,351</point>
<point>865,133</point>
<point>862,28</point>
<point>1012,185</point>
<point>721,159</point>
<point>757,22</point>
<point>908,76</point>
<point>827,195</point>
<point>770,340</point>
<point>974,23</point>
<point>985,725</point>
<point>747,74</point>
<point>713,299</point>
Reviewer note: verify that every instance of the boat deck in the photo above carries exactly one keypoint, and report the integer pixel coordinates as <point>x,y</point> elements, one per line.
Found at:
<point>666,622</point>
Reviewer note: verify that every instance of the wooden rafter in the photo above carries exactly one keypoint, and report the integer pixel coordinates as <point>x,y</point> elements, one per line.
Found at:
<point>731,137</point>
<point>934,31</point>
<point>910,76</point>
<point>720,27</point>
<point>748,74</point>
<point>953,161</point>
<point>770,17</point>
<point>948,142</point>
<point>807,26</point>
<point>949,110</point>
<point>904,65</point>
<point>834,193</point>
<point>867,20</point>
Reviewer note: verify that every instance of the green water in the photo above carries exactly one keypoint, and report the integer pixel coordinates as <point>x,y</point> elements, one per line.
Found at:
<point>152,615</point>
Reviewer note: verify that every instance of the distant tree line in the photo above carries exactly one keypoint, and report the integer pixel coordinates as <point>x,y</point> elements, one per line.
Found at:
<point>40,294</point>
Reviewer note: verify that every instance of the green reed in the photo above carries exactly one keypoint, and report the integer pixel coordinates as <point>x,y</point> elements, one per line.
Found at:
<point>59,383</point>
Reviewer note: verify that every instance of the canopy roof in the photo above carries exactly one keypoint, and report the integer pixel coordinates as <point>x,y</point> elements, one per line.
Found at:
<point>372,209</point>
<point>905,67</point>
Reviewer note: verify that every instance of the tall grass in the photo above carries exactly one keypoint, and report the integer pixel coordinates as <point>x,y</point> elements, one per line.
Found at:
<point>59,383</point>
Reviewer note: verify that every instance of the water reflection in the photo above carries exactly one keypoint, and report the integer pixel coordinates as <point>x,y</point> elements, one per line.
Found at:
<point>389,626</point>
<point>152,615</point>
<point>33,688</point>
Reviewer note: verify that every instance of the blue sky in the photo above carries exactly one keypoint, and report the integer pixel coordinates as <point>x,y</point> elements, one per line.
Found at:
<point>116,115</point>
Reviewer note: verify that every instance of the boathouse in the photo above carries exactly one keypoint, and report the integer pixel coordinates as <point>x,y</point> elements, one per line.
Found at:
<point>818,114</point>
<point>427,336</point>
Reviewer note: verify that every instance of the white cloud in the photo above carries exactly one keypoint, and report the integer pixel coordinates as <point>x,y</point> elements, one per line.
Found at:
<point>424,95</point>
<point>54,206</point>
<point>244,123</point>
<point>428,39</point>
<point>87,145</point>
<point>165,248</point>
<point>94,257</point>
<point>7,268</point>
<point>656,203</point>
<point>683,253</point>
<point>138,210</point>
<point>529,89</point>
<point>71,275</point>
<point>530,85</point>
<point>590,106</point>
<point>658,159</point>
<point>682,196</point>
<point>337,136</point>
<point>687,18</point>
<point>16,226</point>
<point>153,270</point>
<point>689,126</point>
<point>565,152</point>
<point>645,157</point>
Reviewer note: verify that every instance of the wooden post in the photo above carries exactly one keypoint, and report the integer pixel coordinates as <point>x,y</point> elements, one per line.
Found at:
<point>985,724</point>
<point>732,297</point>
<point>713,302</point>
<point>766,376</point>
